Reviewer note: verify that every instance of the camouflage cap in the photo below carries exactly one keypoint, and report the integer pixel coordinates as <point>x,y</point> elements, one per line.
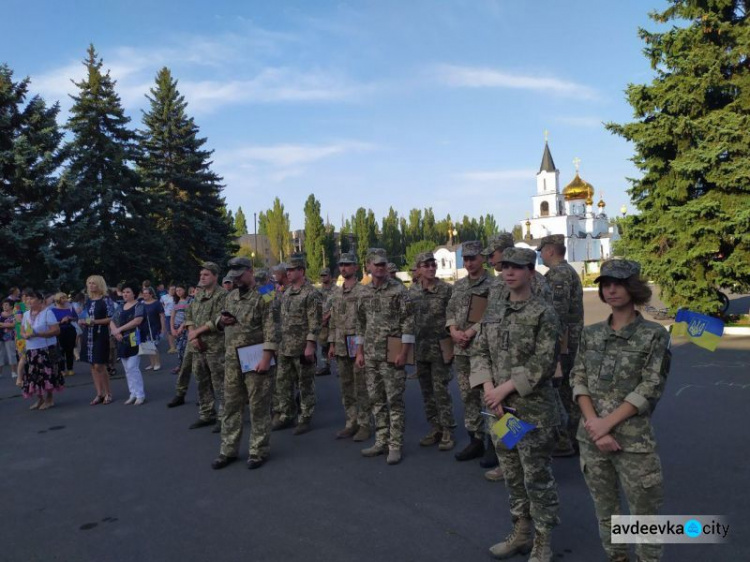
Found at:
<point>392,267</point>
<point>295,261</point>
<point>280,268</point>
<point>261,276</point>
<point>348,257</point>
<point>240,263</point>
<point>230,278</point>
<point>325,271</point>
<point>618,269</point>
<point>558,239</point>
<point>423,257</point>
<point>471,248</point>
<point>210,266</point>
<point>501,242</point>
<point>377,256</point>
<point>519,256</point>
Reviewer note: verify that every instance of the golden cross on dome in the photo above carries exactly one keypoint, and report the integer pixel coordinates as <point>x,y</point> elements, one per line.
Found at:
<point>546,135</point>
<point>577,163</point>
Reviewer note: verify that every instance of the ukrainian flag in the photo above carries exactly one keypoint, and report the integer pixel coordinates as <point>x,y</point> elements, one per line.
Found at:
<point>267,291</point>
<point>510,430</point>
<point>704,331</point>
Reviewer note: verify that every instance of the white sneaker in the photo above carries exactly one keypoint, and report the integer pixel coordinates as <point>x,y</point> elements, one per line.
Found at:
<point>130,401</point>
<point>140,401</point>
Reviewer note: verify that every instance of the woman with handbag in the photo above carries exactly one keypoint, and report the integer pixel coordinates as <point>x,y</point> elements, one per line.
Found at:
<point>124,326</point>
<point>97,313</point>
<point>41,372</point>
<point>155,327</point>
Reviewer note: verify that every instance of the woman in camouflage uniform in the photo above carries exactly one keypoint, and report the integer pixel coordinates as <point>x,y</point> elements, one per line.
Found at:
<point>618,377</point>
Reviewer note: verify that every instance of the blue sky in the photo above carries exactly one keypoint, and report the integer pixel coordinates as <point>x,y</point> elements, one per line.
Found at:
<point>367,103</point>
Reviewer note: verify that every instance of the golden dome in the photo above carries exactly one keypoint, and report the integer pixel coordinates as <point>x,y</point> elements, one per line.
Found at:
<point>601,204</point>
<point>579,189</point>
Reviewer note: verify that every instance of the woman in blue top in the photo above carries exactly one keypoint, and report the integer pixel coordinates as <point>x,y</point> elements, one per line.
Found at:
<point>154,325</point>
<point>67,318</point>
<point>125,324</point>
<point>98,312</point>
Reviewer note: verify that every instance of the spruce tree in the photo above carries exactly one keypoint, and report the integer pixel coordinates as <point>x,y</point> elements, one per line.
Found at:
<point>692,142</point>
<point>104,210</point>
<point>176,168</point>
<point>314,237</point>
<point>29,157</point>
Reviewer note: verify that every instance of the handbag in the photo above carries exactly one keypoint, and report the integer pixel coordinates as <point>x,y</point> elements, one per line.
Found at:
<point>148,347</point>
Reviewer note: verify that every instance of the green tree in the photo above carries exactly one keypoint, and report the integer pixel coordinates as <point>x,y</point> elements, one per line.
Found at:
<point>390,237</point>
<point>185,193</point>
<point>517,233</point>
<point>314,237</point>
<point>365,229</point>
<point>414,228</point>
<point>105,214</point>
<point>490,228</point>
<point>30,154</point>
<point>240,223</point>
<point>429,229</point>
<point>692,145</point>
<point>417,248</point>
<point>276,226</point>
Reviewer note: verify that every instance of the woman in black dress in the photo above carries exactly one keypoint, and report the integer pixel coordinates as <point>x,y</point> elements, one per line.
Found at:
<point>153,325</point>
<point>97,315</point>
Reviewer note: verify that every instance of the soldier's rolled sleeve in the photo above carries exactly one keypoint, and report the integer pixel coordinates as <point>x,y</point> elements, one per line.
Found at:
<point>481,370</point>
<point>522,380</point>
<point>578,378</point>
<point>654,375</point>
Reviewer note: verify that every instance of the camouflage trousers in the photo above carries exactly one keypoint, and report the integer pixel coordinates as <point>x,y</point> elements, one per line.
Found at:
<point>185,372</point>
<point>208,369</point>
<point>238,390</point>
<point>528,475</point>
<point>639,475</point>
<point>386,386</point>
<point>471,397</point>
<point>568,423</point>
<point>434,377</point>
<point>292,372</point>
<point>354,395</point>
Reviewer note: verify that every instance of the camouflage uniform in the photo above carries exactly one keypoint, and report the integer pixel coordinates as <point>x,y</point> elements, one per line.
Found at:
<point>300,323</point>
<point>520,343</point>
<point>325,299</point>
<point>456,315</point>
<point>185,372</point>
<point>276,306</point>
<point>343,323</point>
<point>612,367</point>
<point>429,305</point>
<point>385,311</point>
<point>208,365</point>
<point>255,325</point>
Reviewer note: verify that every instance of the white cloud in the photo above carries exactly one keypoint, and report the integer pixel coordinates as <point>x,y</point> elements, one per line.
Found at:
<point>497,175</point>
<point>291,155</point>
<point>586,122</point>
<point>480,77</point>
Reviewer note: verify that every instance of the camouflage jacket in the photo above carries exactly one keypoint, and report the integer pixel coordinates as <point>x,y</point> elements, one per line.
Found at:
<point>521,346</point>
<point>382,312</point>
<point>627,365</point>
<point>343,321</point>
<point>203,311</point>
<point>458,307</point>
<point>429,307</point>
<point>300,318</point>
<point>498,294</point>
<point>255,322</point>
<point>567,298</point>
<point>325,299</point>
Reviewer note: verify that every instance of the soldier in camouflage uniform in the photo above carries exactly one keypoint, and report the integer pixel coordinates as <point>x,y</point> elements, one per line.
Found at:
<point>494,255</point>
<point>392,271</point>
<point>462,332</point>
<point>514,360</point>
<point>618,378</point>
<point>300,325</point>
<point>249,321</point>
<point>208,345</point>
<point>343,326</point>
<point>429,300</point>
<point>326,286</point>
<point>278,273</point>
<point>567,298</point>
<point>384,310</point>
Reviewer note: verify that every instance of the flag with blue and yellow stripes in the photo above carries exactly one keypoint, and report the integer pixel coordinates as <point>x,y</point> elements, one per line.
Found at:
<point>704,331</point>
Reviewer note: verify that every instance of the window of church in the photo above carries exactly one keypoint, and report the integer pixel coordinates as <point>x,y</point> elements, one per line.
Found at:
<point>544,209</point>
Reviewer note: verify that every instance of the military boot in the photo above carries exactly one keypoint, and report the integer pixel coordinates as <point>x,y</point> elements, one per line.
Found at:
<point>542,551</point>
<point>517,542</point>
<point>375,450</point>
<point>432,438</point>
<point>473,450</point>
<point>394,456</point>
<point>619,558</point>
<point>363,434</point>
<point>446,441</point>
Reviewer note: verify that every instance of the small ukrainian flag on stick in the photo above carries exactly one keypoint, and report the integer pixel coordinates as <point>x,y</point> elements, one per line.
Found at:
<point>509,429</point>
<point>704,331</point>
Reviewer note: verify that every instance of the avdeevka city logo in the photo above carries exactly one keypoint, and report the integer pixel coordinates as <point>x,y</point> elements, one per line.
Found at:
<point>514,425</point>
<point>693,527</point>
<point>696,327</point>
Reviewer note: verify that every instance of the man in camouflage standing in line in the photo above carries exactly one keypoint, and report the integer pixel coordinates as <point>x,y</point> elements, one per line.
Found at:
<point>463,332</point>
<point>300,326</point>
<point>384,310</point>
<point>514,361</point>
<point>248,322</point>
<point>208,346</point>
<point>342,331</point>
<point>429,300</point>
<point>567,298</point>
<point>326,286</point>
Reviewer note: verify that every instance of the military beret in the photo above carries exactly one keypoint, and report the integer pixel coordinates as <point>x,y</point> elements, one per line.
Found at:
<point>424,256</point>
<point>377,256</point>
<point>210,266</point>
<point>519,256</point>
<point>296,260</point>
<point>392,267</point>
<point>501,242</point>
<point>348,257</point>
<point>471,248</point>
<point>618,269</point>
<point>558,239</point>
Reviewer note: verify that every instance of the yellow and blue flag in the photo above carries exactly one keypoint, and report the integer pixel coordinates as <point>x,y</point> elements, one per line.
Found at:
<point>267,291</point>
<point>510,430</point>
<point>704,331</point>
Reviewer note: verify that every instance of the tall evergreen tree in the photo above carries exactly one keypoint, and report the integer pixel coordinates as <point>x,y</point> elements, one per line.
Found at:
<point>105,214</point>
<point>29,157</point>
<point>314,237</point>
<point>176,169</point>
<point>240,223</point>
<point>692,143</point>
